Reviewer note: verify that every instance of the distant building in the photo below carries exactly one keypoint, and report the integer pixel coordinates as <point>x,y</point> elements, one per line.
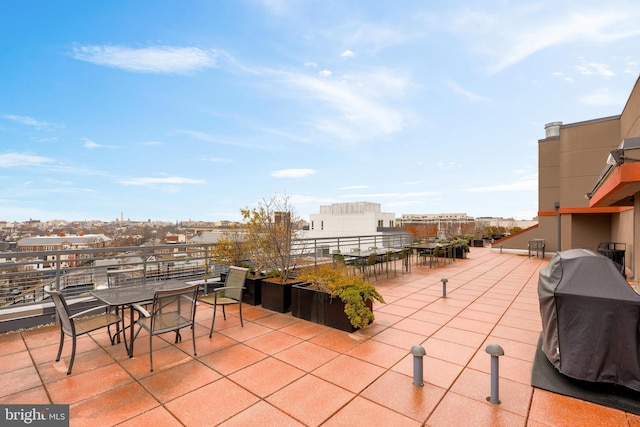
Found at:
<point>350,219</point>
<point>172,238</point>
<point>438,225</point>
<point>56,243</point>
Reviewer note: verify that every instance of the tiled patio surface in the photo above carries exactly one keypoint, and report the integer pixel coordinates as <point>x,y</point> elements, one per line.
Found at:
<point>281,371</point>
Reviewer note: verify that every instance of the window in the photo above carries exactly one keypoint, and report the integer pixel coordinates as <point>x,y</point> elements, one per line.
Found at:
<point>321,225</point>
<point>380,223</point>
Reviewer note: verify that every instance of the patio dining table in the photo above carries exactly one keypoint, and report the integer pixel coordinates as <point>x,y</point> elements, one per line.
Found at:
<point>128,296</point>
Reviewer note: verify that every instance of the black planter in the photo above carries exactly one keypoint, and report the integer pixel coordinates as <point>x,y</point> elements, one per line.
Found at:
<point>459,252</point>
<point>252,294</point>
<point>276,296</point>
<point>478,243</point>
<point>319,307</point>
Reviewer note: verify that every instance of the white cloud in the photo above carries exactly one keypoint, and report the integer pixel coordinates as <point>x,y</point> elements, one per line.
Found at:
<point>90,144</point>
<point>359,104</point>
<point>311,64</point>
<point>377,37</point>
<point>29,121</point>
<point>276,7</point>
<point>159,59</point>
<point>203,136</point>
<point>216,160</point>
<point>173,180</point>
<point>390,195</point>
<point>513,33</point>
<point>324,73</point>
<point>527,184</point>
<point>44,140</point>
<point>459,90</point>
<point>562,76</point>
<point>347,54</point>
<point>292,173</point>
<point>592,68</point>
<point>354,187</point>
<point>9,160</point>
<point>602,97</point>
<point>448,165</point>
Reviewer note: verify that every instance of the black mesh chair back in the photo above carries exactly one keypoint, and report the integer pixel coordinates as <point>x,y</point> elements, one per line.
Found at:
<point>80,323</point>
<point>171,311</point>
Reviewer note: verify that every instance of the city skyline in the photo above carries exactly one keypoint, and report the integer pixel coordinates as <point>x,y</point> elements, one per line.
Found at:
<point>195,110</point>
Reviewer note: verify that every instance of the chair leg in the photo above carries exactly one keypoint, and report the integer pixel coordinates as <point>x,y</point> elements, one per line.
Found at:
<point>73,354</point>
<point>224,315</point>
<point>150,352</point>
<point>193,338</point>
<point>60,346</point>
<point>240,309</point>
<point>215,306</point>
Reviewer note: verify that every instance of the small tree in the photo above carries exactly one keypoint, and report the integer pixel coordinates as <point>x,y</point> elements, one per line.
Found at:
<point>231,248</point>
<point>270,234</point>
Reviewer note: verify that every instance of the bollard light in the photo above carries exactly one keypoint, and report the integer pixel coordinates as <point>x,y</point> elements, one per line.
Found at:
<point>495,351</point>
<point>444,287</point>
<point>500,247</point>
<point>418,362</point>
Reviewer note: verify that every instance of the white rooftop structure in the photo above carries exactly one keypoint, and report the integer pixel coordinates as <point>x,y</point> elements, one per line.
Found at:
<point>349,219</point>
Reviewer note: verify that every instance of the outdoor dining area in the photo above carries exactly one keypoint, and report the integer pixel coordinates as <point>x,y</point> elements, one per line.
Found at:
<point>259,367</point>
<point>374,260</point>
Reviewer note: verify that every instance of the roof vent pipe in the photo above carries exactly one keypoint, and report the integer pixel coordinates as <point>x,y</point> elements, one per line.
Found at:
<point>552,129</point>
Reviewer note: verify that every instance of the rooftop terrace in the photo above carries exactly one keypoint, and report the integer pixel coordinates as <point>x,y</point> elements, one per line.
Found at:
<point>279,370</point>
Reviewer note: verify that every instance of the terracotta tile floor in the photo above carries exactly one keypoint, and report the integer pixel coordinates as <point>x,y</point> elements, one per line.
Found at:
<point>278,370</point>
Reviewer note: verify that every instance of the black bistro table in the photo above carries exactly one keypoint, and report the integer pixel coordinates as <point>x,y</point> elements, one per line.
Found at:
<point>127,296</point>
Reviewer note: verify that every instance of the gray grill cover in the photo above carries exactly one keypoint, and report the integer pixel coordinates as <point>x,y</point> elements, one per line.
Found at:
<point>590,319</point>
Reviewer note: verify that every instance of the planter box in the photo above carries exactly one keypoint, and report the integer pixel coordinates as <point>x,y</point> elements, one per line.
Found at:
<point>252,294</point>
<point>478,243</point>
<point>319,307</point>
<point>276,296</point>
<point>459,252</point>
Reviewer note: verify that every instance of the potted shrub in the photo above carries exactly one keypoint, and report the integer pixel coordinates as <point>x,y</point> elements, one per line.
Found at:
<point>271,230</point>
<point>460,247</point>
<point>330,296</point>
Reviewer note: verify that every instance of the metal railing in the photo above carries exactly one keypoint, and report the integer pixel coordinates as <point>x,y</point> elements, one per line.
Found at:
<point>23,275</point>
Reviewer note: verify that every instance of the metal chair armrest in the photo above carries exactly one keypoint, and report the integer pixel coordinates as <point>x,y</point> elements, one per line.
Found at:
<point>143,312</point>
<point>85,312</point>
<point>216,290</point>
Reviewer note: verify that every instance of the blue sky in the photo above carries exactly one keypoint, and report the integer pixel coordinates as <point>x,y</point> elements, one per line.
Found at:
<point>178,110</point>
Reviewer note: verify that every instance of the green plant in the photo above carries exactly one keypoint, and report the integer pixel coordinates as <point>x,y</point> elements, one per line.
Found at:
<point>460,243</point>
<point>353,291</point>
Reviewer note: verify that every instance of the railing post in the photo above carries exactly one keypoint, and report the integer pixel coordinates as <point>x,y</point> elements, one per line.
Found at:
<point>57,272</point>
<point>144,267</point>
